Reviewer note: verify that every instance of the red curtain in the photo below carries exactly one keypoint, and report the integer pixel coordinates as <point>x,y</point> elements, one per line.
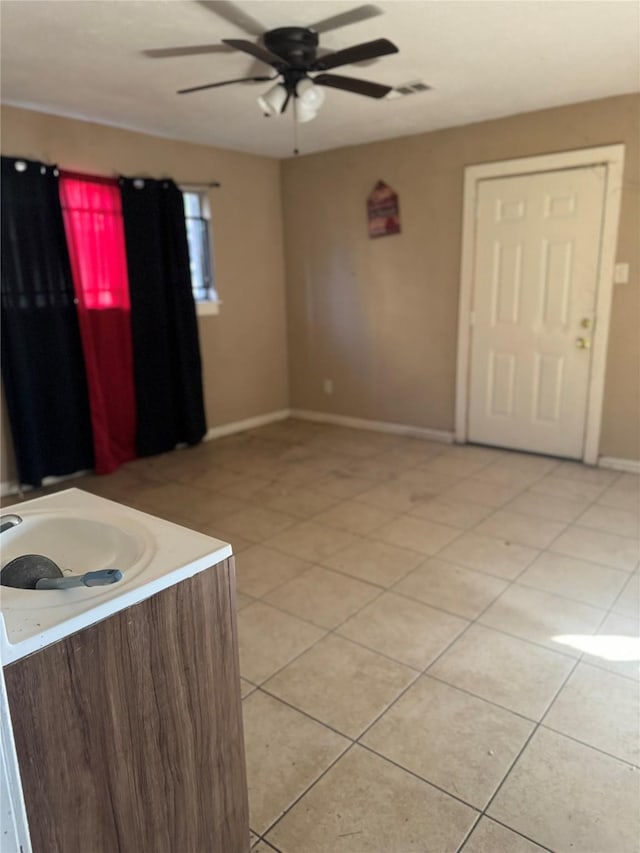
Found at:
<point>92,211</point>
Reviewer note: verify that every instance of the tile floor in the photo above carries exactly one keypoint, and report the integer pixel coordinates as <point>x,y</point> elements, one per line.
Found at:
<point>439,645</point>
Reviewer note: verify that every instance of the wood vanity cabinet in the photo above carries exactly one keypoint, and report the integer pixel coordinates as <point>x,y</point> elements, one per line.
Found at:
<point>129,732</point>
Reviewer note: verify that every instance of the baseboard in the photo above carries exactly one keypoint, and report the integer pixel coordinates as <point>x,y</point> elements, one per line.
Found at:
<point>631,466</point>
<point>247,423</point>
<point>426,433</point>
<point>12,487</point>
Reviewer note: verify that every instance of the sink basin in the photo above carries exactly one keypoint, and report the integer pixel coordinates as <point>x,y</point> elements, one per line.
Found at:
<point>77,544</point>
<point>82,532</point>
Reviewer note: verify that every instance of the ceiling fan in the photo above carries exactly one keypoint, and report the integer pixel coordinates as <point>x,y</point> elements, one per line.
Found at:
<point>294,54</point>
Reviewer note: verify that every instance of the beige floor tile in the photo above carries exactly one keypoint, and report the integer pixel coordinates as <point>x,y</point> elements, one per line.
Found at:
<point>586,474</point>
<point>322,596</point>
<point>616,551</point>
<point>458,742</point>
<point>521,529</point>
<point>571,798</point>
<point>452,466</point>
<point>262,847</point>
<point>481,492</point>
<point>531,463</point>
<point>285,753</point>
<point>513,673</point>
<point>238,545</point>
<point>257,523</point>
<point>492,837</point>
<point>418,534</point>
<point>561,487</point>
<point>426,482</point>
<point>494,556</point>
<point>541,617</point>
<point>295,500</point>
<point>452,511</point>
<point>246,687</point>
<point>253,839</point>
<point>242,600</point>
<point>342,486</point>
<point>600,709</point>
<point>355,517</point>
<point>376,469</point>
<point>405,630</point>
<point>453,588</point>
<point>364,804</point>
<point>549,507</point>
<point>246,487</point>
<point>341,684</point>
<point>311,541</point>
<point>484,455</point>
<point>268,639</point>
<point>500,475</point>
<point>622,522</point>
<point>576,579</point>
<point>624,494</point>
<point>214,505</point>
<point>628,603</point>
<point>413,455</point>
<point>375,562</point>
<point>616,646</point>
<point>395,497</point>
<point>260,569</point>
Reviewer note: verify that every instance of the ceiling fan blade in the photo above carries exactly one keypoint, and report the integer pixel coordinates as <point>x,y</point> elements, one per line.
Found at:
<point>225,83</point>
<point>234,15</point>
<point>258,51</point>
<point>367,50</point>
<point>354,16</point>
<point>351,84</point>
<point>167,52</point>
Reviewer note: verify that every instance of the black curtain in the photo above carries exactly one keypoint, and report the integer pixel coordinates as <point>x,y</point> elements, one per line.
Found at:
<point>166,350</point>
<point>42,361</point>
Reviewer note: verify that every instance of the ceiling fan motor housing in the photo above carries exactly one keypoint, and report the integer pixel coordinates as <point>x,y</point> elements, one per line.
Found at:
<point>296,45</point>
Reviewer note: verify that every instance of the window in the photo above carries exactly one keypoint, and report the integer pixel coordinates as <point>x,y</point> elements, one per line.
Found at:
<point>196,215</point>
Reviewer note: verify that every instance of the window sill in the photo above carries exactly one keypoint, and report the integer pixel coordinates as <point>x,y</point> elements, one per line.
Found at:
<point>208,308</point>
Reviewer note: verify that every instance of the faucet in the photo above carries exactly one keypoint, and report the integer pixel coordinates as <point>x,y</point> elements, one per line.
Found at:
<point>9,521</point>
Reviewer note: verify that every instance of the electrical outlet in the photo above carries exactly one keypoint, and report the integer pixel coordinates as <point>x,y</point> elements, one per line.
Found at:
<point>327,386</point>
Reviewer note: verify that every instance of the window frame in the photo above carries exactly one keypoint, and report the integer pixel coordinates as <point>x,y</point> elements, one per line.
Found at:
<point>209,306</point>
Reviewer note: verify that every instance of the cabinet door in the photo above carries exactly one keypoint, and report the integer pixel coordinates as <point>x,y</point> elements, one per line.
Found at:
<point>129,733</point>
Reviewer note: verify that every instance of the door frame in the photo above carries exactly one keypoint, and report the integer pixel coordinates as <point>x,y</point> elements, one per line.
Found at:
<point>611,156</point>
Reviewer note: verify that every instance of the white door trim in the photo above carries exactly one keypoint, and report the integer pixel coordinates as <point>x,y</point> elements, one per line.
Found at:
<point>611,156</point>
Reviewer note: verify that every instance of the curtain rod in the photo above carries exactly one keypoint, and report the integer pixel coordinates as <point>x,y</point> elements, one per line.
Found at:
<point>56,167</point>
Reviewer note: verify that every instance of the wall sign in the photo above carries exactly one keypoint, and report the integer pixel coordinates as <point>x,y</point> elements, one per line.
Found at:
<point>383,211</point>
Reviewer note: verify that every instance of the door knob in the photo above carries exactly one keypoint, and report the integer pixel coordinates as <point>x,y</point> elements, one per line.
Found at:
<point>583,343</point>
<point>586,322</point>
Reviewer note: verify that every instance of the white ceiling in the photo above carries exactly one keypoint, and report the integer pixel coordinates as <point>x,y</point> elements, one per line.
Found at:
<point>83,58</point>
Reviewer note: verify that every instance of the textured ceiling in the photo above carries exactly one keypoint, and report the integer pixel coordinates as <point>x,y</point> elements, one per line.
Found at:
<point>483,59</point>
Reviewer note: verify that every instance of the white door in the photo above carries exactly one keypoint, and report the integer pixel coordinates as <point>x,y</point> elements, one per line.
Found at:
<point>533,311</point>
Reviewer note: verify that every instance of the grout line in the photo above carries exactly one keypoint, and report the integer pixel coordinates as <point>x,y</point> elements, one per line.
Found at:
<point>510,828</point>
<point>535,730</point>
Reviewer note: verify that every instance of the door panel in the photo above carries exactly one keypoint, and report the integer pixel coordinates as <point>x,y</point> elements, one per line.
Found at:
<point>535,276</point>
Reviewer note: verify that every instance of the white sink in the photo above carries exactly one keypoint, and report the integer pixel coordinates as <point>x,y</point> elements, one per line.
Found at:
<point>82,532</point>
<point>78,544</point>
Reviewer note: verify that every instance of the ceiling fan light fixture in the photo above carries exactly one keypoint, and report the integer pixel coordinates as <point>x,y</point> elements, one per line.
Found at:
<point>309,94</point>
<point>304,112</point>
<point>271,102</point>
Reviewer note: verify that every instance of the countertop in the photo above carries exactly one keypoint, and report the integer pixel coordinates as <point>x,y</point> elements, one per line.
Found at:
<point>168,554</point>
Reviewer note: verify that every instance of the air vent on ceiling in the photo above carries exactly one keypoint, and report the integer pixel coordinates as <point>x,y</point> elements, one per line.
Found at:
<point>408,89</point>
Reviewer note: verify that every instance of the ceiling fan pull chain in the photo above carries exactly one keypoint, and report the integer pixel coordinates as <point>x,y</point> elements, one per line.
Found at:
<point>295,125</point>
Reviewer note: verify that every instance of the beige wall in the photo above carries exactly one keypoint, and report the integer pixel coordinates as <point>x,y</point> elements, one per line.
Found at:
<point>379,316</point>
<point>244,348</point>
